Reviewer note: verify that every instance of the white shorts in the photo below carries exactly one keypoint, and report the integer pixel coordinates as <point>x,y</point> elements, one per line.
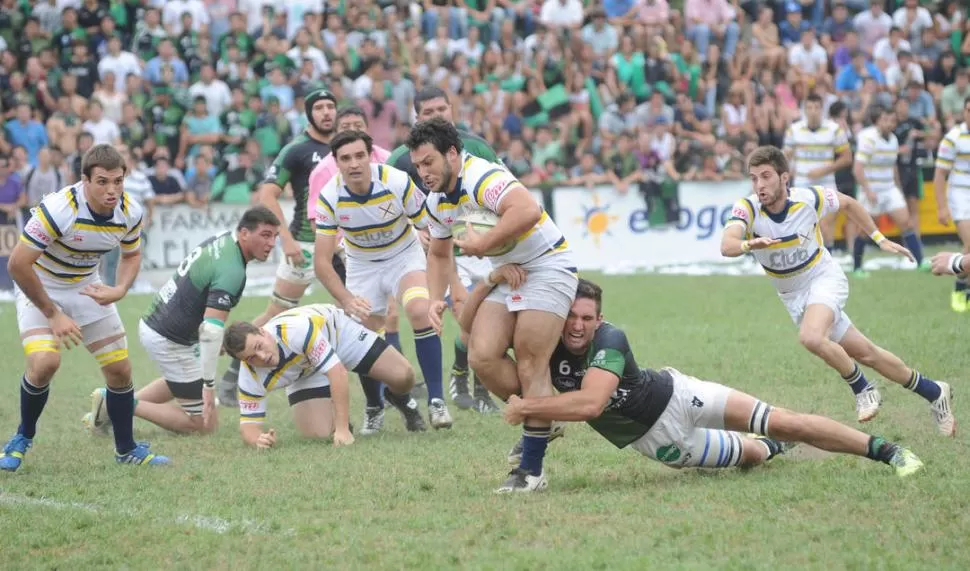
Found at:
<point>302,275</point>
<point>176,362</point>
<point>959,201</point>
<point>97,322</point>
<point>472,270</point>
<point>690,432</point>
<point>886,201</point>
<point>830,288</point>
<point>550,286</point>
<point>377,281</point>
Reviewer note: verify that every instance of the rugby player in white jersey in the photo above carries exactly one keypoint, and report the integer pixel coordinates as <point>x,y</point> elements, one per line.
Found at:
<point>877,174</point>
<point>951,180</point>
<point>817,148</point>
<point>61,301</point>
<point>528,318</point>
<point>309,351</point>
<point>664,414</point>
<point>780,227</point>
<point>375,205</point>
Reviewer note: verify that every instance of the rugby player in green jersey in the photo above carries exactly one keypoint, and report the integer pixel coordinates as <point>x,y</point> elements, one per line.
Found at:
<point>183,329</point>
<point>429,103</point>
<point>664,414</point>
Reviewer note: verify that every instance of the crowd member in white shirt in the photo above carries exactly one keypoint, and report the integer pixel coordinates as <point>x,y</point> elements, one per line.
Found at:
<point>121,63</point>
<point>912,19</point>
<point>302,50</point>
<point>872,25</point>
<point>103,130</point>
<point>904,72</point>
<point>172,15</point>
<point>885,52</point>
<point>808,58</point>
<point>558,14</point>
<point>216,93</point>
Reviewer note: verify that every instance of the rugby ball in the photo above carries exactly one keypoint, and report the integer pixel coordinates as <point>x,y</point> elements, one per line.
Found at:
<point>481,221</point>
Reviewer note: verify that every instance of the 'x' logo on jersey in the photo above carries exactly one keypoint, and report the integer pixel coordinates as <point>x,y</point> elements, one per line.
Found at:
<point>387,210</point>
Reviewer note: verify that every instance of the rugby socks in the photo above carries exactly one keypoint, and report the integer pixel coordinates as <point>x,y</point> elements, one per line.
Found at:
<point>858,251</point>
<point>372,391</point>
<point>393,339</point>
<point>880,449</point>
<point>32,402</point>
<point>121,410</point>
<point>427,345</point>
<point>857,380</point>
<point>914,244</point>
<point>460,367</point>
<point>926,388</point>
<point>534,442</point>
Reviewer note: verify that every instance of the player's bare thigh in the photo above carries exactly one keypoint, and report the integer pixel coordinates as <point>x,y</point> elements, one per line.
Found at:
<point>490,339</point>
<point>536,335</point>
<point>393,369</point>
<point>314,418</point>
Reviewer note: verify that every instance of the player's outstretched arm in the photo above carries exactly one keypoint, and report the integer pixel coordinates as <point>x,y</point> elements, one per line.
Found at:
<point>857,214</point>
<point>950,264</point>
<point>211,333</point>
<point>733,243</point>
<point>585,404</point>
<point>323,250</point>
<point>518,213</point>
<point>941,174</point>
<point>340,393</point>
<point>20,266</point>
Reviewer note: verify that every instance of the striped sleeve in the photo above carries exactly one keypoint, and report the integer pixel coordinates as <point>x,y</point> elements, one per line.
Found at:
<point>742,214</point>
<point>326,216</point>
<point>863,153</point>
<point>252,397</point>
<point>946,153</point>
<point>841,141</point>
<point>48,221</point>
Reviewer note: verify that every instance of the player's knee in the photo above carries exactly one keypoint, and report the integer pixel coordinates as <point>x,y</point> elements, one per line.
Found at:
<point>787,425</point>
<point>812,340</point>
<point>278,303</point>
<point>42,366</point>
<point>416,301</point>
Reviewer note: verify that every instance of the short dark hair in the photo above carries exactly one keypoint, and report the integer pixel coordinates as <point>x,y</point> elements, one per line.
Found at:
<point>102,156</point>
<point>252,218</point>
<point>768,155</point>
<point>814,98</point>
<point>440,133</point>
<point>234,342</point>
<point>877,112</point>
<point>427,94</point>
<point>350,111</point>
<point>345,138</point>
<point>837,107</point>
<point>589,290</point>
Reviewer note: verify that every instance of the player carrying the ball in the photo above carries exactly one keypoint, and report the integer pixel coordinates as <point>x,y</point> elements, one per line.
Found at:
<point>61,302</point>
<point>376,207</point>
<point>528,318</point>
<point>780,227</point>
<point>308,350</point>
<point>664,414</point>
<point>183,329</point>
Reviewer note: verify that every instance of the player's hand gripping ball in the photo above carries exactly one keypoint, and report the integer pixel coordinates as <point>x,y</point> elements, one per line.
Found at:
<point>481,222</point>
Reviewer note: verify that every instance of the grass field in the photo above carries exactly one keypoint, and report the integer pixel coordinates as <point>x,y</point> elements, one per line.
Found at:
<point>425,501</point>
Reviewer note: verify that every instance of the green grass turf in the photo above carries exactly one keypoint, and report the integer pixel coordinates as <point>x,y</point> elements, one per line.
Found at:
<point>400,501</point>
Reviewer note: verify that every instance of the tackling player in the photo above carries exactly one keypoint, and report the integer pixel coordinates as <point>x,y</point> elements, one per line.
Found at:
<point>183,329</point>
<point>292,166</point>
<point>528,318</point>
<point>308,350</point>
<point>61,301</point>
<point>817,148</point>
<point>780,228</point>
<point>430,103</point>
<point>375,205</point>
<point>664,414</point>
<point>951,179</point>
<point>877,173</point>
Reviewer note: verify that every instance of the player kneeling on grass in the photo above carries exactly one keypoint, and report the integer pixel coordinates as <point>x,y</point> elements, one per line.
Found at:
<point>183,329</point>
<point>308,350</point>
<point>665,414</point>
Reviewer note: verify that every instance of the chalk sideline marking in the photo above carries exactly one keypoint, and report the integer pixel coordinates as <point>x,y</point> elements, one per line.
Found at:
<point>203,522</point>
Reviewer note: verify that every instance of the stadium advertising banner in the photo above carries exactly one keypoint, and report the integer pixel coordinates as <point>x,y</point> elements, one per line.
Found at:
<point>611,231</point>
<point>176,230</point>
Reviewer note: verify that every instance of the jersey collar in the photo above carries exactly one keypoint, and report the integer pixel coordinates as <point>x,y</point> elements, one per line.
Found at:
<point>780,217</point>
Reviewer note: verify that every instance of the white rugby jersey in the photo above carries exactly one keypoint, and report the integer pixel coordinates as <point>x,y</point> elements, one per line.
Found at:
<point>482,186</point>
<point>800,255</point>
<point>378,225</point>
<point>954,156</point>
<point>73,238</point>
<point>878,157</point>
<point>306,338</point>
<point>815,148</point>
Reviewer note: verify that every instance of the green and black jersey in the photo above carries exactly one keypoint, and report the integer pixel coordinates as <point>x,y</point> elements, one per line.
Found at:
<point>640,398</point>
<point>475,145</point>
<point>212,275</point>
<point>293,165</point>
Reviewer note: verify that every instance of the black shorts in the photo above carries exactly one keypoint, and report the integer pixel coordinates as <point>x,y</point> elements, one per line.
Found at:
<point>911,181</point>
<point>846,188</point>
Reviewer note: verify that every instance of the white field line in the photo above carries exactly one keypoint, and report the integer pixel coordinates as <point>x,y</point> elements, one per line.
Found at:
<point>203,522</point>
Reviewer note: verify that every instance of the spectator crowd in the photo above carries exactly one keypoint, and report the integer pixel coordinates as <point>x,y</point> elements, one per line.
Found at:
<point>202,94</point>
